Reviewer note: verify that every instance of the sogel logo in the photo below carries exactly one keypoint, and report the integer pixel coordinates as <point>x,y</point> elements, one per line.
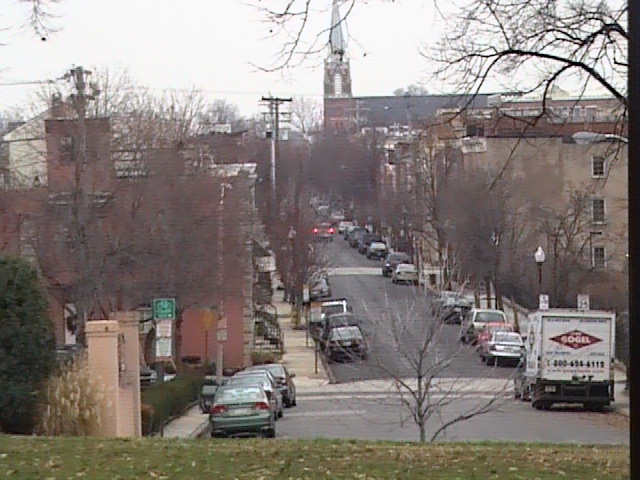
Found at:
<point>576,339</point>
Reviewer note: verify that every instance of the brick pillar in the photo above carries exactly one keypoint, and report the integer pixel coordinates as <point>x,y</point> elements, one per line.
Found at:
<point>102,347</point>
<point>129,417</point>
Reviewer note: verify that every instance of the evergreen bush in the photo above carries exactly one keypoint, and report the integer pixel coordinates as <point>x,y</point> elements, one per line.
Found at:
<point>27,345</point>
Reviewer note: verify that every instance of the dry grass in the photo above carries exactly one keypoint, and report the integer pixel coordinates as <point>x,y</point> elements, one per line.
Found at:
<point>74,401</point>
<point>175,459</point>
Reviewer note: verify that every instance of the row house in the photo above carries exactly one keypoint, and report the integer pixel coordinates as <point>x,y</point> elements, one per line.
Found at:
<point>128,236</point>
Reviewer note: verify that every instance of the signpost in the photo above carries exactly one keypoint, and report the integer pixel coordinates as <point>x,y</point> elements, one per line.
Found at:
<point>221,336</point>
<point>164,313</point>
<point>583,302</point>
<point>544,302</point>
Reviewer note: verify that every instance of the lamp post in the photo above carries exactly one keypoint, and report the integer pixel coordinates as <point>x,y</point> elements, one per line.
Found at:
<point>539,256</point>
<point>495,241</point>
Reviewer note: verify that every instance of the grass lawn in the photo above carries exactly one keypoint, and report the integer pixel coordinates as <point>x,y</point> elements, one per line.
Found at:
<point>256,459</point>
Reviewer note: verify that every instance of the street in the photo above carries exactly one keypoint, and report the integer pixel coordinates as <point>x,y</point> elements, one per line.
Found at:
<point>382,417</point>
<point>375,300</point>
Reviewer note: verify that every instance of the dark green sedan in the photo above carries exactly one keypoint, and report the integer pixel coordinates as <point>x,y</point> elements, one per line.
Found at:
<point>242,411</point>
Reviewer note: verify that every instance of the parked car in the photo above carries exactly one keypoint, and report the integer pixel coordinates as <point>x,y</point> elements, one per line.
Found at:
<point>268,384</point>
<point>207,395</point>
<point>343,225</point>
<point>242,410</point>
<point>323,232</point>
<point>283,378</point>
<point>450,306</point>
<point>345,343</point>
<point>337,320</point>
<point>355,236</point>
<point>367,239</point>
<point>503,346</point>
<point>148,376</point>
<point>392,260</point>
<point>376,250</point>
<point>405,273</point>
<point>319,287</point>
<point>475,321</point>
<point>348,230</point>
<point>489,329</point>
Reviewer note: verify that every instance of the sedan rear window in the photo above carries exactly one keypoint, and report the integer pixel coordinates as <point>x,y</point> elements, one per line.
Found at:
<point>486,317</point>
<point>246,394</point>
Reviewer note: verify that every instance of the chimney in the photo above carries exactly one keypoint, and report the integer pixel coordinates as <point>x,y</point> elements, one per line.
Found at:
<point>57,106</point>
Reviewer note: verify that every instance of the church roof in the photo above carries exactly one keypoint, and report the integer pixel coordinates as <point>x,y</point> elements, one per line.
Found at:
<point>337,44</point>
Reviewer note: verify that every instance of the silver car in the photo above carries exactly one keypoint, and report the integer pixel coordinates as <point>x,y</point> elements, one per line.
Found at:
<point>505,346</point>
<point>266,381</point>
<point>405,273</point>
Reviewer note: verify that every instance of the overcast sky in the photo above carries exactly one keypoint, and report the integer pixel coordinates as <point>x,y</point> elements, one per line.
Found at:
<point>211,44</point>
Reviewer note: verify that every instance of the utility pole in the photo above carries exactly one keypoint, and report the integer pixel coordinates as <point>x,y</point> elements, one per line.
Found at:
<point>274,115</point>
<point>77,77</point>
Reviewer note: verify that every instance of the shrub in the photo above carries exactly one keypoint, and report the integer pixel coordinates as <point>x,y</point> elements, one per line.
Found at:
<point>169,399</point>
<point>74,401</point>
<point>146,412</point>
<point>27,356</point>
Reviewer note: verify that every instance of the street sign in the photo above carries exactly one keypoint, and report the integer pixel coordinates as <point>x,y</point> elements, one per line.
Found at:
<point>164,328</point>
<point>163,348</point>
<point>305,294</point>
<point>207,318</point>
<point>222,335</point>
<point>164,308</point>
<point>544,302</point>
<point>583,302</point>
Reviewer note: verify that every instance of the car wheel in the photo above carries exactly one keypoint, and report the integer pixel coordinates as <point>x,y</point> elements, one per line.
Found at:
<point>280,413</point>
<point>271,433</point>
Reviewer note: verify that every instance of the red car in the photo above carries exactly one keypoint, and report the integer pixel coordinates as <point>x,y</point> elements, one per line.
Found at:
<point>489,329</point>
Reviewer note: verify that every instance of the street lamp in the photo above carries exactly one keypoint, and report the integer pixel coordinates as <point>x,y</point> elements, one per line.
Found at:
<point>540,257</point>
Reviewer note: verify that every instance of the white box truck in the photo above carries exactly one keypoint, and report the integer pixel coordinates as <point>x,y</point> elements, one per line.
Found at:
<point>568,359</point>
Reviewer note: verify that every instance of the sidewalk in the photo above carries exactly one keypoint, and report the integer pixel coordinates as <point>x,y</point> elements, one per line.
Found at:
<point>299,355</point>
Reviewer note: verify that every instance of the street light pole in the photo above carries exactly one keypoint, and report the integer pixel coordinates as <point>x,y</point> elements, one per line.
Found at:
<point>539,256</point>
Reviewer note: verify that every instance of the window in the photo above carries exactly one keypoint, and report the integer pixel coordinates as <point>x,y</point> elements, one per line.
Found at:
<point>597,210</point>
<point>598,166</point>
<point>599,258</point>
<point>67,149</point>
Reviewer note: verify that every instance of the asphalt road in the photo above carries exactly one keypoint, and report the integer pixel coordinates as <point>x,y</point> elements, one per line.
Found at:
<point>397,324</point>
<point>383,418</point>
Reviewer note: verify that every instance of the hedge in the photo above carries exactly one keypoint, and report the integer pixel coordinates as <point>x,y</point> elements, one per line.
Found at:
<point>164,401</point>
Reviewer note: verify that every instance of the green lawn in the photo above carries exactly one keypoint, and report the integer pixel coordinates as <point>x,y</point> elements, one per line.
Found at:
<point>256,459</point>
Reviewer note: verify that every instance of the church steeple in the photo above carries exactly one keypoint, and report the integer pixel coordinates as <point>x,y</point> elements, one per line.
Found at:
<point>337,74</point>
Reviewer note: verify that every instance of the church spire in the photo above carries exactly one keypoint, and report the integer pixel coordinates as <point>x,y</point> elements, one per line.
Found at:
<point>337,74</point>
<point>337,45</point>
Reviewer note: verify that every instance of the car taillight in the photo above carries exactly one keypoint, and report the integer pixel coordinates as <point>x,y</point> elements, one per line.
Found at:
<point>217,409</point>
<point>331,230</point>
<point>315,230</point>
<point>261,406</point>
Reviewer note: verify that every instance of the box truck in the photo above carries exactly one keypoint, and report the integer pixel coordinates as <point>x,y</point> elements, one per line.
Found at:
<point>569,358</point>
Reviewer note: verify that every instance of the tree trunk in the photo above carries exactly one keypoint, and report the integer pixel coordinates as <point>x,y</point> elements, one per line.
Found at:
<point>487,283</point>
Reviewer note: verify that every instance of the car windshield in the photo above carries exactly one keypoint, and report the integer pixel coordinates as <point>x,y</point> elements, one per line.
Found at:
<point>345,333</point>
<point>250,380</point>
<point>505,327</point>
<point>405,267</point>
<point>343,319</point>
<point>332,309</point>
<point>398,257</point>
<point>378,246</point>
<point>276,370</point>
<point>508,337</point>
<point>209,389</point>
<point>486,317</point>
<point>240,395</point>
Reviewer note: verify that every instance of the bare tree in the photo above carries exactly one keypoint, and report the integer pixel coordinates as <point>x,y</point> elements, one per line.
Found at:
<point>221,112</point>
<point>568,232</point>
<point>306,115</point>
<point>542,41</point>
<point>424,384</point>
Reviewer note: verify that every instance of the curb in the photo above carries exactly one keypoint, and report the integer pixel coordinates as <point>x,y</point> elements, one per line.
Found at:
<point>200,429</point>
